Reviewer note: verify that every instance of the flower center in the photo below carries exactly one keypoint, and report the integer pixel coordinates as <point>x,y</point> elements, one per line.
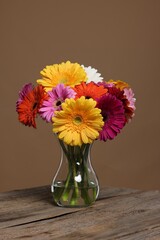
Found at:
<point>34,105</point>
<point>105,117</point>
<point>58,103</point>
<point>63,80</point>
<point>77,120</point>
<point>87,97</point>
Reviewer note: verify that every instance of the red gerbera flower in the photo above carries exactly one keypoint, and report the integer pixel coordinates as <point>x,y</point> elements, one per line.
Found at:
<point>89,90</point>
<point>29,103</point>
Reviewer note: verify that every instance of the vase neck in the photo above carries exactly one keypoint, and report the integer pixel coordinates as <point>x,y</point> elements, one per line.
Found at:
<point>76,153</point>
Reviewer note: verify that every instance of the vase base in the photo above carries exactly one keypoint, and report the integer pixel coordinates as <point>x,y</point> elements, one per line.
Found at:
<point>72,196</point>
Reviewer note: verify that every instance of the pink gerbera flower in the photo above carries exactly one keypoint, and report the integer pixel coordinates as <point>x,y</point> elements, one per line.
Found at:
<point>129,104</point>
<point>56,97</point>
<point>113,116</point>
<point>130,97</point>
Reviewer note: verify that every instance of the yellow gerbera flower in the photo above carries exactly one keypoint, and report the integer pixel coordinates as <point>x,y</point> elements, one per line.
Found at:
<point>70,74</point>
<point>120,84</point>
<point>78,122</point>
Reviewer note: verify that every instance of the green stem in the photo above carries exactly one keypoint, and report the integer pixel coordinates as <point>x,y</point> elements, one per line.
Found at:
<point>75,194</point>
<point>86,184</point>
<point>65,193</point>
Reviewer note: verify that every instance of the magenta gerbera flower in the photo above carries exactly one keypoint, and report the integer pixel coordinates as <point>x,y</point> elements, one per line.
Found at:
<point>56,97</point>
<point>113,116</point>
<point>127,97</point>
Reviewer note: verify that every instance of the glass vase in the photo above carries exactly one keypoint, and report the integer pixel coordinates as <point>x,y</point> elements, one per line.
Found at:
<point>75,183</point>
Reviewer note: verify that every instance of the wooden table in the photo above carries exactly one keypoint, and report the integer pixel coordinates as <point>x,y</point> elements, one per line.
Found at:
<point>117,214</point>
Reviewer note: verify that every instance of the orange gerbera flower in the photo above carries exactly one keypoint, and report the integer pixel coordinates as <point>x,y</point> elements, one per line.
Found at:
<point>29,103</point>
<point>119,84</point>
<point>89,90</point>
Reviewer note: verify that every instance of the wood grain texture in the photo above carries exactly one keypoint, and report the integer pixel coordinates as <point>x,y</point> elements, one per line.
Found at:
<point>124,214</point>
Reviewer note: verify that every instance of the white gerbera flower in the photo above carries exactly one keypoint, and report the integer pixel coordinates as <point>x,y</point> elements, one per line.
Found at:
<point>92,74</point>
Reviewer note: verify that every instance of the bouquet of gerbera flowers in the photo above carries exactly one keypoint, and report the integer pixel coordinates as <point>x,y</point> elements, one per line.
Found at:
<point>80,105</point>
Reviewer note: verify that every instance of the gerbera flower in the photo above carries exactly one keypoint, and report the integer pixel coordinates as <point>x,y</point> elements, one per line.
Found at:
<point>29,102</point>
<point>117,92</point>
<point>129,104</point>
<point>90,90</point>
<point>25,90</point>
<point>56,97</point>
<point>130,97</point>
<point>70,74</point>
<point>106,84</point>
<point>78,122</point>
<point>92,74</point>
<point>113,116</point>
<point>119,84</point>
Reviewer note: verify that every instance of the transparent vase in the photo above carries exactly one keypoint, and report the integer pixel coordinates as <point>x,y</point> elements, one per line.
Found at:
<point>75,183</point>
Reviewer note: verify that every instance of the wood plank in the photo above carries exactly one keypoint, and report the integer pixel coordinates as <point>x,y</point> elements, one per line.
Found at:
<point>117,214</point>
<point>29,205</point>
<point>23,206</point>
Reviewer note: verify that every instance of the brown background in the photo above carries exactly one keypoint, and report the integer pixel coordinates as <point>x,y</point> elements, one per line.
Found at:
<point>121,38</point>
